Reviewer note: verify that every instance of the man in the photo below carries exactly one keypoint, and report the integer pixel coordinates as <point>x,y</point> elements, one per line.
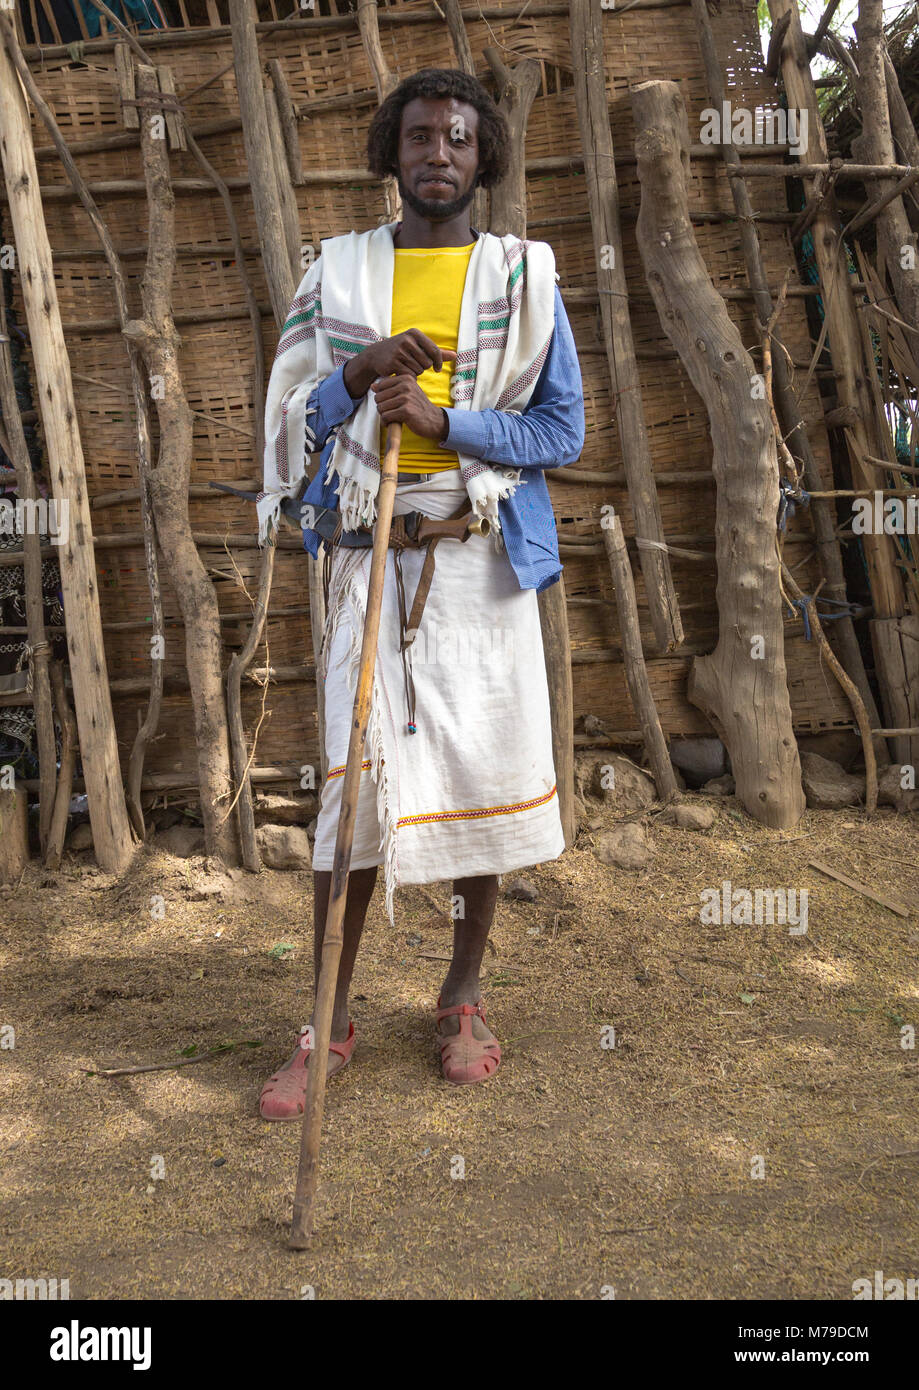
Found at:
<point>459,738</point>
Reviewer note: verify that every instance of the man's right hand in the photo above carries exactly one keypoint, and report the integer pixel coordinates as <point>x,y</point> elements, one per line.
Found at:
<point>411,351</point>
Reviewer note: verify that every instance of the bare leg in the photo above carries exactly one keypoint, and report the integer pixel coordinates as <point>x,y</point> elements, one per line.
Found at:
<point>360,891</point>
<point>470,933</point>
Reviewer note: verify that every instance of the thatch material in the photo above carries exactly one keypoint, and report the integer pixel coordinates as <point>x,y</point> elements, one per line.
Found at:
<point>840,107</point>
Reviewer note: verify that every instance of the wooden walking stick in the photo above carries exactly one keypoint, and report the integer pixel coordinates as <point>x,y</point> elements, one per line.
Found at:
<point>308,1170</point>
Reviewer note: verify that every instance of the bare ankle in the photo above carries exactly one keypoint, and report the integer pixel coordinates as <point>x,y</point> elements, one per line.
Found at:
<point>460,991</point>
<point>341,1024</point>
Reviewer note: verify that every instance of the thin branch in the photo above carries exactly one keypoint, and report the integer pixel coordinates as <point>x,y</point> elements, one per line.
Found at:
<point>872,210</point>
<point>851,690</point>
<point>826,20</point>
<point>170,1066</point>
<point>776,40</point>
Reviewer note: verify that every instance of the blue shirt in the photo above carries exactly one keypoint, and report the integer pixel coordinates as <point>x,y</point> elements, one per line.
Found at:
<point>548,433</point>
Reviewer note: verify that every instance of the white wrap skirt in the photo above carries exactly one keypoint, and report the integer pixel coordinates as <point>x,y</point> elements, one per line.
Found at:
<point>473,790</point>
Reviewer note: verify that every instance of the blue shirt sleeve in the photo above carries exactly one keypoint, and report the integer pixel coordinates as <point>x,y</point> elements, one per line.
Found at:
<point>549,432</point>
<point>329,405</point>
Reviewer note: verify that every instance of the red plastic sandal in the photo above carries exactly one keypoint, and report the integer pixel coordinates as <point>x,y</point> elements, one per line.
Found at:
<point>284,1094</point>
<point>465,1058</point>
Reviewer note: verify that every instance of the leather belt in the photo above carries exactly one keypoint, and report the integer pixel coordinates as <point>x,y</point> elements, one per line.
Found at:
<point>403,478</point>
<point>411,531</point>
<point>414,531</point>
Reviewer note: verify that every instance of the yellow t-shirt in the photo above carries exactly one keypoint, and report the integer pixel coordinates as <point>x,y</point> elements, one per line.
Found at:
<point>427,293</point>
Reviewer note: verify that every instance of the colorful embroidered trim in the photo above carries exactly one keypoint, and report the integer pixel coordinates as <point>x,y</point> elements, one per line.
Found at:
<point>340,771</point>
<point>478,813</point>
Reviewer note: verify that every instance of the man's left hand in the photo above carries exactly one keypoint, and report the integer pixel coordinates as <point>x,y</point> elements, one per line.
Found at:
<point>400,400</point>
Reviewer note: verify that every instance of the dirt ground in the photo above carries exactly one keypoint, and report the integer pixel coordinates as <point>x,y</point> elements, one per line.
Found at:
<point>739,1049</point>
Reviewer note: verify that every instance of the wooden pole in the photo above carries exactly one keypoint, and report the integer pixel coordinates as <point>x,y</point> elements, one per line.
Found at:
<point>308,1170</point>
<point>517,88</point>
<point>290,213</point>
<point>636,672</point>
<point>384,80</point>
<point>158,342</point>
<point>369,25</point>
<point>148,728</point>
<point>741,686</point>
<point>99,748</point>
<point>67,769</point>
<point>896,240</point>
<point>896,190</point>
<point>160,782</point>
<point>556,646</point>
<point>904,132</point>
<point>896,649</point>
<point>271,191</point>
<point>572,297</point>
<point>753,167</point>
<point>895,640</point>
<point>262,172</point>
<point>466,63</point>
<point>844,336</point>
<point>508,214</point>
<point>826,18</point>
<point>288,119</point>
<point>245,812</point>
<point>587,21</point>
<point>239,663</point>
<point>849,687</point>
<point>842,169</point>
<point>793,430</point>
<point>14,832</point>
<point>39,647</point>
<point>241,758</point>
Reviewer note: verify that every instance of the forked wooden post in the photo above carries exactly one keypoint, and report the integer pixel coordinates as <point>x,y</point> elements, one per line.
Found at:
<point>516,91</point>
<point>308,1170</point>
<point>742,685</point>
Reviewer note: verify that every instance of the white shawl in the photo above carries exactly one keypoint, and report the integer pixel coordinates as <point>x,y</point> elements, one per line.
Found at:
<point>343,304</point>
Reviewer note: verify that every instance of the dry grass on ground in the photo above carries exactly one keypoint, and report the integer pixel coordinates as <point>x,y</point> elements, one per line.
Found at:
<point>584,1167</point>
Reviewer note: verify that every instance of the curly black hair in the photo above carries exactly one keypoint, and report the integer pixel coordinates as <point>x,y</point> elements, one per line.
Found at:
<point>493,134</point>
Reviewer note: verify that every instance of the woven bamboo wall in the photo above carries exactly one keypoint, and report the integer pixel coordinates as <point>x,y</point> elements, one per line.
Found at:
<point>217,356</point>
